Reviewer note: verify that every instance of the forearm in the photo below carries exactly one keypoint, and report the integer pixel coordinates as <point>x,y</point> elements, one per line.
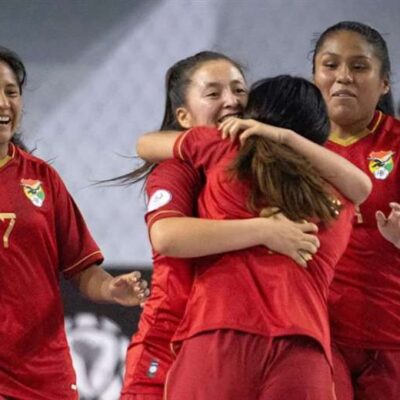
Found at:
<point>187,237</point>
<point>341,173</point>
<point>94,283</point>
<point>156,146</point>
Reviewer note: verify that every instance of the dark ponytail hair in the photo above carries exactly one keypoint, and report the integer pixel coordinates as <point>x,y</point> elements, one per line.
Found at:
<point>177,80</point>
<point>14,62</point>
<point>374,38</point>
<point>279,177</point>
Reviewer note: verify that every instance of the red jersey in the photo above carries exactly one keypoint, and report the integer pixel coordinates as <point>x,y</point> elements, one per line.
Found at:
<point>172,189</point>
<point>42,233</point>
<point>252,290</point>
<point>365,294</point>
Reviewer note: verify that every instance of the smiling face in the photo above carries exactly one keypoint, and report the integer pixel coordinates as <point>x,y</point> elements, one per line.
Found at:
<point>348,73</point>
<point>10,106</point>
<point>217,89</point>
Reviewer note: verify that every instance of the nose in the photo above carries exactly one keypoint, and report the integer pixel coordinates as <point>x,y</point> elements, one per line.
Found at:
<point>231,99</point>
<point>344,74</point>
<point>4,100</point>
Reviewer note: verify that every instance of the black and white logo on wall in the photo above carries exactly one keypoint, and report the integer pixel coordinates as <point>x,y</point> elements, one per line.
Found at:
<point>98,349</point>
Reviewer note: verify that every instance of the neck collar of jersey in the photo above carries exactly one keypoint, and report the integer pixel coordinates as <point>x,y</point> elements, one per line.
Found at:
<point>370,129</point>
<point>9,156</point>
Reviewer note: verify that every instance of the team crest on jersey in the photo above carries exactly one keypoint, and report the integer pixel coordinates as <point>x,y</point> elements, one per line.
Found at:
<point>158,199</point>
<point>381,163</point>
<point>33,190</point>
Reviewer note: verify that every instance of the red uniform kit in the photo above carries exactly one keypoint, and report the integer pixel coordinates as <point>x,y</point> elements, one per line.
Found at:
<point>171,189</point>
<point>42,233</point>
<point>365,293</point>
<point>253,290</point>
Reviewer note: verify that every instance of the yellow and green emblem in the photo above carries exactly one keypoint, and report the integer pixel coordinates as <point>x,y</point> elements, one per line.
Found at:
<point>381,163</point>
<point>33,190</point>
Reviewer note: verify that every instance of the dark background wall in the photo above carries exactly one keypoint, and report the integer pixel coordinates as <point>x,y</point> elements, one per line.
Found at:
<point>98,335</point>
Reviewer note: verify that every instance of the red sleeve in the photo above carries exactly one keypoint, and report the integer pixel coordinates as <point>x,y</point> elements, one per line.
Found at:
<point>172,189</point>
<point>202,147</point>
<point>77,249</point>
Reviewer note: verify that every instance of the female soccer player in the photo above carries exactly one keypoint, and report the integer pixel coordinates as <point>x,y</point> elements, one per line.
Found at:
<point>212,87</point>
<point>42,234</point>
<point>256,325</point>
<point>351,66</point>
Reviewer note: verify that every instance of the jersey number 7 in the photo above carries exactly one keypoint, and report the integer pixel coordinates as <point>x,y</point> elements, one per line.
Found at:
<point>9,219</point>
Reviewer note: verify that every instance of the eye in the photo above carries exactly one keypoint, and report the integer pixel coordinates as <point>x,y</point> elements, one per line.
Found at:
<point>212,94</point>
<point>360,66</point>
<point>330,64</point>
<point>12,92</point>
<point>240,90</point>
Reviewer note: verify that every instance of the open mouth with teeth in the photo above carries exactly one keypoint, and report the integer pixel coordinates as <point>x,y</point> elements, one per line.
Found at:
<point>343,94</point>
<point>4,120</point>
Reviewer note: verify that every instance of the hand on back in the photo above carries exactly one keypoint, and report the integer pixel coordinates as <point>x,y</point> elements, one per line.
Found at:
<point>296,240</point>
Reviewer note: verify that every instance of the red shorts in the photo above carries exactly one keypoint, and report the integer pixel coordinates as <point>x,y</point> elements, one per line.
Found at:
<point>146,367</point>
<point>233,365</point>
<point>373,374</point>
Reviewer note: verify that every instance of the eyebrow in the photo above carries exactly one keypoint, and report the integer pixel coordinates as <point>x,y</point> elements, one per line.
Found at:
<point>329,53</point>
<point>217,84</point>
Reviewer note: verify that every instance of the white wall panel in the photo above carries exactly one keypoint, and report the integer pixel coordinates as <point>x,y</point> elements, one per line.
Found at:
<point>96,70</point>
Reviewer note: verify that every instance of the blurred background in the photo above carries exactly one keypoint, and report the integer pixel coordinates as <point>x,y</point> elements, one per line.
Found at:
<point>96,82</point>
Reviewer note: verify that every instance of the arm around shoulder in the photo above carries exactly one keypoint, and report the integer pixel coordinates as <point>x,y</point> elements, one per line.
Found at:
<point>341,173</point>
<point>351,181</point>
<point>157,146</point>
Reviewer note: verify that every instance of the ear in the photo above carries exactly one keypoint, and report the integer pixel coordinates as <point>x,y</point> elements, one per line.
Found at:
<point>386,86</point>
<point>184,117</point>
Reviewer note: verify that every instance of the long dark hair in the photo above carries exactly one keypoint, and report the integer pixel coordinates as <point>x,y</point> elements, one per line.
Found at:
<point>177,80</point>
<point>15,63</point>
<point>375,39</point>
<point>279,177</point>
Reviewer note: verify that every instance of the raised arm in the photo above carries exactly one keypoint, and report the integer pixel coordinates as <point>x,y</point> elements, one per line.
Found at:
<point>341,173</point>
<point>157,146</point>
